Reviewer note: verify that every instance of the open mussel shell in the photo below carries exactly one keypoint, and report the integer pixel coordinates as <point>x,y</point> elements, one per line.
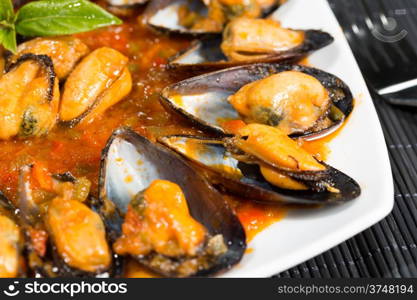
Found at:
<point>246,180</point>
<point>129,154</point>
<point>162,15</point>
<point>206,55</point>
<point>203,99</point>
<point>51,264</point>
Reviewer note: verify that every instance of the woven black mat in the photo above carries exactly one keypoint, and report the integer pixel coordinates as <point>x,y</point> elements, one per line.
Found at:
<point>387,249</point>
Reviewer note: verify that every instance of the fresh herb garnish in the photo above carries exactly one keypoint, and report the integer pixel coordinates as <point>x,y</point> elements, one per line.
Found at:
<point>49,18</point>
<point>7,28</point>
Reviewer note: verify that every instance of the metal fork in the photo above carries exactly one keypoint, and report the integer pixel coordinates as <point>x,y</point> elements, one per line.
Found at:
<point>385,45</point>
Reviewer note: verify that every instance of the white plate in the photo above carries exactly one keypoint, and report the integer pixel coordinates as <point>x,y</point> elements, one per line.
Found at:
<point>359,151</point>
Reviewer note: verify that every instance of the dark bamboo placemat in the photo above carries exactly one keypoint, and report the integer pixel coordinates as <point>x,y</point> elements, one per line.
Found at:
<point>389,248</point>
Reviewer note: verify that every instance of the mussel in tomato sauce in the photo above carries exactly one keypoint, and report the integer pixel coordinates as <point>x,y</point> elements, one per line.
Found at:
<point>292,101</point>
<point>64,235</point>
<point>202,17</point>
<point>263,164</point>
<point>29,97</point>
<point>99,81</point>
<point>93,83</point>
<point>64,51</point>
<point>299,100</point>
<point>158,225</point>
<point>247,41</point>
<point>144,187</point>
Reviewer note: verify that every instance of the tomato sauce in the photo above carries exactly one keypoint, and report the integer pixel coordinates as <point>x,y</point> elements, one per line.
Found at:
<point>78,149</point>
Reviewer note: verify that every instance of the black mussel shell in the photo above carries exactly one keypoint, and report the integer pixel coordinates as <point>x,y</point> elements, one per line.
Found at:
<point>52,264</point>
<point>246,180</point>
<point>203,99</point>
<point>206,55</point>
<point>162,15</point>
<point>129,154</point>
<point>30,124</point>
<point>44,61</point>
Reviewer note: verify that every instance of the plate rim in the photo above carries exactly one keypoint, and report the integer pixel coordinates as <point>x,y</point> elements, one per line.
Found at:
<point>336,237</point>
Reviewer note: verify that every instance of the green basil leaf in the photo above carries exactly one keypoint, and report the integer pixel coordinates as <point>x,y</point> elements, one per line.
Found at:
<point>60,17</point>
<point>6,11</point>
<point>8,38</point>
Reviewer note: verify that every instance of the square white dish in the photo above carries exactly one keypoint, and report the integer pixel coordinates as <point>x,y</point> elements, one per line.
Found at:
<point>359,151</point>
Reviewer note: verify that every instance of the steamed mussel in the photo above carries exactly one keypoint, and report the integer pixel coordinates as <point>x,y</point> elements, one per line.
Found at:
<point>248,41</point>
<point>203,17</point>
<point>164,214</point>
<point>108,82</point>
<point>29,108</point>
<point>64,235</point>
<point>263,164</point>
<point>94,81</point>
<point>11,241</point>
<point>65,52</point>
<point>299,100</point>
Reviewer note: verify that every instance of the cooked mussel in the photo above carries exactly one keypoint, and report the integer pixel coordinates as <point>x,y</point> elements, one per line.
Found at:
<point>65,52</point>
<point>29,97</point>
<point>263,164</point>
<point>271,94</point>
<point>202,17</point>
<point>99,81</point>
<point>137,178</point>
<point>34,105</point>
<point>248,41</point>
<point>64,235</point>
<point>11,241</point>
